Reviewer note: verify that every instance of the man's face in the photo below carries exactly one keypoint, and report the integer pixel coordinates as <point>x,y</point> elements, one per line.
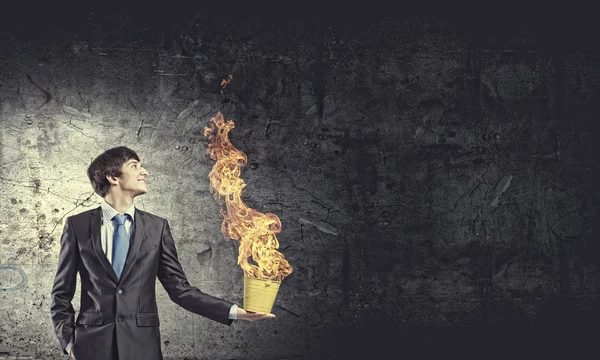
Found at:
<point>133,178</point>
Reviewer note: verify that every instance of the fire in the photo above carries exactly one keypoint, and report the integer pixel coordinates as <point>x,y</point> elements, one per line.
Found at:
<point>255,231</point>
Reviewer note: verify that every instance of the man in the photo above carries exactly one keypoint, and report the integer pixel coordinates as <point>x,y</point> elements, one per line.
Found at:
<point>119,251</point>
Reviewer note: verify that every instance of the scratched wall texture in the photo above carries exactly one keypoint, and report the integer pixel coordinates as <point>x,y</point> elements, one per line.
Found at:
<point>434,176</point>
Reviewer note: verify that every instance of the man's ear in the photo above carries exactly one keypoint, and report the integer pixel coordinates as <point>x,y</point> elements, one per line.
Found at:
<point>112,179</point>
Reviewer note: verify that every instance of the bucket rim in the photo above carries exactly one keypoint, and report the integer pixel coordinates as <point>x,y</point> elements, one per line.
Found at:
<point>266,280</point>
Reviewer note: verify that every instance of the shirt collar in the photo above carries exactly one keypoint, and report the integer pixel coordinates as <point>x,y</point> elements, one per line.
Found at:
<point>108,212</point>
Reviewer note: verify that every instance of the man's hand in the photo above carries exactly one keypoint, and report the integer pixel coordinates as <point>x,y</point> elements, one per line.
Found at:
<point>251,316</point>
<point>71,353</point>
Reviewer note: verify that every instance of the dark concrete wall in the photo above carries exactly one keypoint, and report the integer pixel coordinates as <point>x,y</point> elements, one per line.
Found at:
<point>434,176</point>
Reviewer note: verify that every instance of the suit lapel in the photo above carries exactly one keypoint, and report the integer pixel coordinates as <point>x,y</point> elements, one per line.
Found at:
<point>95,231</point>
<point>134,245</point>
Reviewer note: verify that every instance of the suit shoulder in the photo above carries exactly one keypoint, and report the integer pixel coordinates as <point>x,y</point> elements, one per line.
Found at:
<point>83,215</point>
<point>151,216</point>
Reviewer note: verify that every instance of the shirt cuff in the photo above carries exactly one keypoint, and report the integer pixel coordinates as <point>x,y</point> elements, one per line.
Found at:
<point>233,312</point>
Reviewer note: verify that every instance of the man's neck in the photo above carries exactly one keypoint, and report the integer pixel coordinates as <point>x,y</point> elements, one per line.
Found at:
<point>119,203</point>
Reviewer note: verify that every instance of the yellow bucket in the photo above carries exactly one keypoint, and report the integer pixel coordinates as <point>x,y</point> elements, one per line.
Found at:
<point>259,294</point>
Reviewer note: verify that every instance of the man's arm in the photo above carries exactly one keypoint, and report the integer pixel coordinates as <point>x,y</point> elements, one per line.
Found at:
<point>173,279</point>
<point>63,290</point>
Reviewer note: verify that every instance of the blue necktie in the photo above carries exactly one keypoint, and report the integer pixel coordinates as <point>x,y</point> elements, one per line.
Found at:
<point>120,244</point>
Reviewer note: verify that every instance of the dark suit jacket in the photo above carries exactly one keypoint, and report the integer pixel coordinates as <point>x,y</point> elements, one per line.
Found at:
<point>121,315</point>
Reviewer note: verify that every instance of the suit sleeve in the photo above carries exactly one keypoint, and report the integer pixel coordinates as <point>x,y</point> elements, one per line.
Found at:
<point>173,279</point>
<point>63,290</point>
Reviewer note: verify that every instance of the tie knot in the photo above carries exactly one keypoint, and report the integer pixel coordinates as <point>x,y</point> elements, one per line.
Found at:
<point>120,218</point>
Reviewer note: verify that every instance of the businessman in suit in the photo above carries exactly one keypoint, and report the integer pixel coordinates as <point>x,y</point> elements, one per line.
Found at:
<point>119,251</point>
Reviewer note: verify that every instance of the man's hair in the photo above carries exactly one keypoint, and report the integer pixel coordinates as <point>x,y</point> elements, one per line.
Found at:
<point>108,163</point>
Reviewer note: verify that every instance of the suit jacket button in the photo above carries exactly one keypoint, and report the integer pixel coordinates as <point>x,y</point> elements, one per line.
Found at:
<point>119,291</point>
<point>119,318</point>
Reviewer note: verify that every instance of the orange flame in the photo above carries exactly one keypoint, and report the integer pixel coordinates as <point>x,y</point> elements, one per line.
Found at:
<point>224,83</point>
<point>256,231</point>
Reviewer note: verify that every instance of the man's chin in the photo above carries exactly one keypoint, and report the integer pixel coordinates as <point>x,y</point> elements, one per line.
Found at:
<point>141,192</point>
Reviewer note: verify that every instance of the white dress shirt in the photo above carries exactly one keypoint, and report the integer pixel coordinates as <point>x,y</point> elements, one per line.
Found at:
<point>107,230</point>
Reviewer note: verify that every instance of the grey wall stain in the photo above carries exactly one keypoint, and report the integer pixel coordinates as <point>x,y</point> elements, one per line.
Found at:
<point>12,278</point>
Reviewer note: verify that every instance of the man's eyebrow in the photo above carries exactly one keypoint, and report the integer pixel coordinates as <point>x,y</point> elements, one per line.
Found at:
<point>133,161</point>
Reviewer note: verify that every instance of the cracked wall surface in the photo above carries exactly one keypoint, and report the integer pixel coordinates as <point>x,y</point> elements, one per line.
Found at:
<point>434,176</point>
